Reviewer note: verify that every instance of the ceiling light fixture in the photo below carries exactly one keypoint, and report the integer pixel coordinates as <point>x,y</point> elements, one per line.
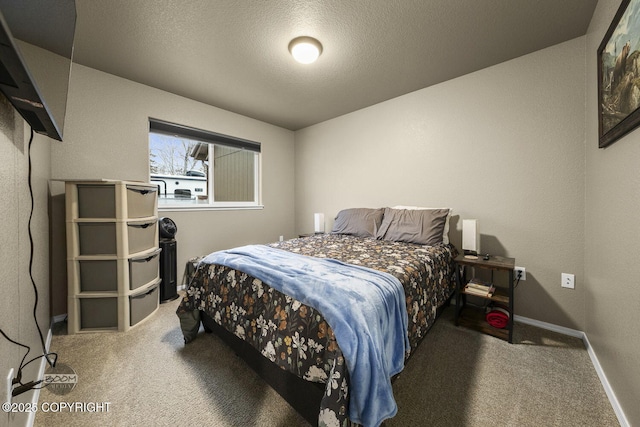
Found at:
<point>305,49</point>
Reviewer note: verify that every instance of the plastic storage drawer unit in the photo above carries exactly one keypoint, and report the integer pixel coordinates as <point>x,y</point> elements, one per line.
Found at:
<point>143,269</point>
<point>98,238</point>
<point>142,235</point>
<point>98,275</point>
<point>141,201</point>
<point>100,201</point>
<point>98,313</point>
<point>96,201</point>
<point>113,255</point>
<point>142,305</point>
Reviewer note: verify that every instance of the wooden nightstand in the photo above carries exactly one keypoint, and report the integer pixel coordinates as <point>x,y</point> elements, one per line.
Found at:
<point>474,317</point>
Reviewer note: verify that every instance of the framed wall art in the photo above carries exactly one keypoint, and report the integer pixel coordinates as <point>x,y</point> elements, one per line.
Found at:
<point>619,75</point>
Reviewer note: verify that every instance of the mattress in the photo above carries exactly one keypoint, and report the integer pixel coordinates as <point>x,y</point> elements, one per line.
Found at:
<point>295,336</point>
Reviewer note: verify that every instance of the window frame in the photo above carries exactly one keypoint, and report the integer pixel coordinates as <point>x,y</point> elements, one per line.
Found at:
<point>211,138</point>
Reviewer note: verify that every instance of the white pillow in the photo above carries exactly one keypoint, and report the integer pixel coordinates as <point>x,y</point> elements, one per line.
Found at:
<point>445,232</point>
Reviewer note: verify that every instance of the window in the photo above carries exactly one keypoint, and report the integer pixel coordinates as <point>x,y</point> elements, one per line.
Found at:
<point>198,168</point>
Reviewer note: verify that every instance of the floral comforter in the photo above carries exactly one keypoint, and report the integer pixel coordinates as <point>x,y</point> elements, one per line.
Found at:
<point>295,336</point>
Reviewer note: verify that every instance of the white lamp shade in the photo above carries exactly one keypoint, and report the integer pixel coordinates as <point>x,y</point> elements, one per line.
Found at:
<point>470,236</point>
<point>318,222</point>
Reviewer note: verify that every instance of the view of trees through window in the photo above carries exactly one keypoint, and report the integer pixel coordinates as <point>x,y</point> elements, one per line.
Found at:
<point>182,169</point>
<point>173,156</point>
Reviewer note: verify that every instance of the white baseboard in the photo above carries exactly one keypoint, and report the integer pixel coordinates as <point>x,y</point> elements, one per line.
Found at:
<point>605,383</point>
<point>549,326</point>
<point>622,419</point>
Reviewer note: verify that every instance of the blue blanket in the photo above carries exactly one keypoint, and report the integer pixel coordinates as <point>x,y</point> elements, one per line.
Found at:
<point>366,309</point>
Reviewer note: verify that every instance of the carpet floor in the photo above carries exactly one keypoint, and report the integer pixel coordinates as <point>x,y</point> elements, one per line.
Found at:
<point>457,377</point>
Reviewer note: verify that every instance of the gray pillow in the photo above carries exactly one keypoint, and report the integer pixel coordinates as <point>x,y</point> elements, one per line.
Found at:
<point>361,222</point>
<point>423,226</point>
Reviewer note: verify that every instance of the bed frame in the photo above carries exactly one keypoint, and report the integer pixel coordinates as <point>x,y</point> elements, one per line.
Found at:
<point>304,396</point>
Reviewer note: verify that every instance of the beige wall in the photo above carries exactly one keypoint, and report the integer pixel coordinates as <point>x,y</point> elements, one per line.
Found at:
<point>504,145</point>
<point>106,136</point>
<point>18,296</point>
<point>612,235</point>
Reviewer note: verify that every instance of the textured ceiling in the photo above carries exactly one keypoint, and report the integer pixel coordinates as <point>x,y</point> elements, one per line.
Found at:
<point>233,53</point>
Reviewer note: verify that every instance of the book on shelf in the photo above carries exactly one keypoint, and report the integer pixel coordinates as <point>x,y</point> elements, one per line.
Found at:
<point>479,288</point>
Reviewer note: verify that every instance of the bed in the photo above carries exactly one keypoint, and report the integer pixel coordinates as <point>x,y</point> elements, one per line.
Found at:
<point>293,341</point>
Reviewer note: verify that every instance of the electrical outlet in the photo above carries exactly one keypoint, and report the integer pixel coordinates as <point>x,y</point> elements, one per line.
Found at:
<point>568,280</point>
<point>281,238</point>
<point>8,387</point>
<point>522,271</point>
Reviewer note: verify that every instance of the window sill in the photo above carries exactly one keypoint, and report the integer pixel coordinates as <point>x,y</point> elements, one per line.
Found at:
<point>208,208</point>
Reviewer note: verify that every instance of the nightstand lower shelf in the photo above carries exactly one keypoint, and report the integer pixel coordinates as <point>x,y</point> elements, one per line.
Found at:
<point>473,318</point>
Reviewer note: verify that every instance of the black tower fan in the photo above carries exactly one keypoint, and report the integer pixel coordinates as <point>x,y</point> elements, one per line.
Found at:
<point>168,266</point>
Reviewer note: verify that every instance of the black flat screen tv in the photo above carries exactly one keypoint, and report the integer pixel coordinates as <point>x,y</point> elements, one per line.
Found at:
<point>36,49</point>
